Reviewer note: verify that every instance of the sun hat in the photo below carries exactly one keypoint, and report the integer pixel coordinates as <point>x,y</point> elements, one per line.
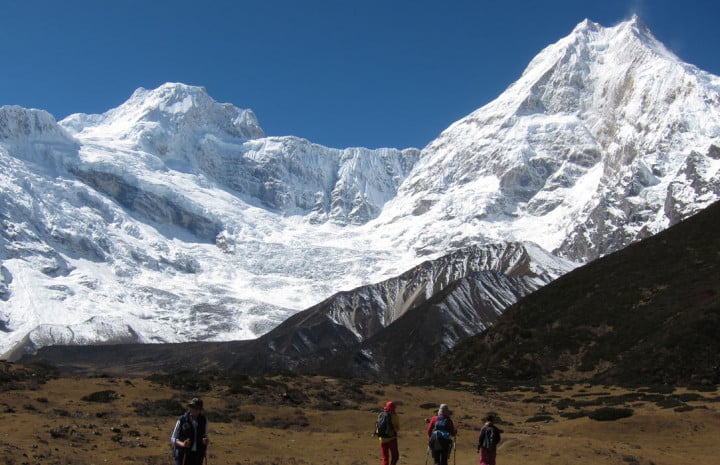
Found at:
<point>444,410</point>
<point>195,403</point>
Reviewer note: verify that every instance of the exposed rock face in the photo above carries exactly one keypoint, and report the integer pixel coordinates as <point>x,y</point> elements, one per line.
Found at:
<point>389,328</point>
<point>151,206</point>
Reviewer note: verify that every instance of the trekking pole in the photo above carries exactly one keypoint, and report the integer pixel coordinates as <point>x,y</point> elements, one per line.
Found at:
<point>427,453</point>
<point>454,451</point>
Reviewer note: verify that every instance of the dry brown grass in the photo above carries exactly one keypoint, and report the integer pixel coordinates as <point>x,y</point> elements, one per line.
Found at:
<point>328,422</point>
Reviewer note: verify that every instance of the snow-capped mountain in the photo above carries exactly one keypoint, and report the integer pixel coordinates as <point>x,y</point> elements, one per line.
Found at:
<point>173,218</point>
<point>606,138</point>
<point>163,221</point>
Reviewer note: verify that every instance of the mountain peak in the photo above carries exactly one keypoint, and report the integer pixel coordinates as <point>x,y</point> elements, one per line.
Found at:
<point>635,28</point>
<point>186,105</point>
<point>637,24</point>
<point>587,25</point>
<point>171,98</point>
<point>624,32</point>
<point>172,108</point>
<point>604,111</point>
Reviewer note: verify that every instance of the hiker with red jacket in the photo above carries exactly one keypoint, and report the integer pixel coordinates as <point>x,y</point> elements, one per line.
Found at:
<point>441,434</point>
<point>387,426</point>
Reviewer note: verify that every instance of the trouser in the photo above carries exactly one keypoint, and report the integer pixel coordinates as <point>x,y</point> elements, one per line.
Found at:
<point>441,456</point>
<point>487,456</point>
<point>190,458</point>
<point>389,451</point>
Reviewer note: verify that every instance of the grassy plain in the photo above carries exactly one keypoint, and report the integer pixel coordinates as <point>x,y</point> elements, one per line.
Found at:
<point>320,421</point>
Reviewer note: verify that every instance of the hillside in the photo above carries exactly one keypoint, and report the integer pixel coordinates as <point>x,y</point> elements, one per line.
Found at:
<point>649,314</point>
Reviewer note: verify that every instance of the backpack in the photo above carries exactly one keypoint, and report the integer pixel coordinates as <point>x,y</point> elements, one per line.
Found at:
<point>383,426</point>
<point>440,438</point>
<point>491,437</point>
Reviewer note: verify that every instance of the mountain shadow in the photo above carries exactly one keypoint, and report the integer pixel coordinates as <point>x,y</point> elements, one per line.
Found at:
<point>648,314</point>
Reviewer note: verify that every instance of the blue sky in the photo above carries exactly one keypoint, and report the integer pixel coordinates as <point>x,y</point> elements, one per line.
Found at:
<point>374,73</point>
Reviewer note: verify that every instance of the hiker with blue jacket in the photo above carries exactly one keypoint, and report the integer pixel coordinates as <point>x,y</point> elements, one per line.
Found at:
<point>441,435</point>
<point>190,435</point>
<point>386,428</point>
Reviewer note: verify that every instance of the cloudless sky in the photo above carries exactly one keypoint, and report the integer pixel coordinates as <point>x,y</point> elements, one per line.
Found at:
<point>342,73</point>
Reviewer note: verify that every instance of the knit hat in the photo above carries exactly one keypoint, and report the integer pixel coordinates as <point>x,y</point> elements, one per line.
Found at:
<point>389,406</point>
<point>444,410</point>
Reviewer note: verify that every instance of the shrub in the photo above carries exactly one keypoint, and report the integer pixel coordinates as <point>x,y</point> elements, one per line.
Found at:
<point>187,380</point>
<point>610,414</point>
<point>669,402</point>
<point>573,415</point>
<point>101,396</point>
<point>539,418</point>
<point>159,408</point>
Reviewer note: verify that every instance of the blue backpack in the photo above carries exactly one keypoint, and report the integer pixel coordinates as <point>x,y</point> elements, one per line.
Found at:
<point>440,438</point>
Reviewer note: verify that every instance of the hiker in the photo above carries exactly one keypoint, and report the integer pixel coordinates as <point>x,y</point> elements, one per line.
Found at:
<point>441,434</point>
<point>190,436</point>
<point>488,440</point>
<point>386,429</point>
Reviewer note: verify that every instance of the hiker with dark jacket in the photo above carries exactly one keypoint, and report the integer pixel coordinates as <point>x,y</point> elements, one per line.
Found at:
<point>441,434</point>
<point>488,440</point>
<point>388,437</point>
<point>190,436</point>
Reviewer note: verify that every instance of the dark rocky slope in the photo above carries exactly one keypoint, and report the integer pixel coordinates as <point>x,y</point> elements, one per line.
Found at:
<point>647,314</point>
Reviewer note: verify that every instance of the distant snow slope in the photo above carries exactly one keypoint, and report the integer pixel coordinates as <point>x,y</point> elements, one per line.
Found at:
<point>173,218</point>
